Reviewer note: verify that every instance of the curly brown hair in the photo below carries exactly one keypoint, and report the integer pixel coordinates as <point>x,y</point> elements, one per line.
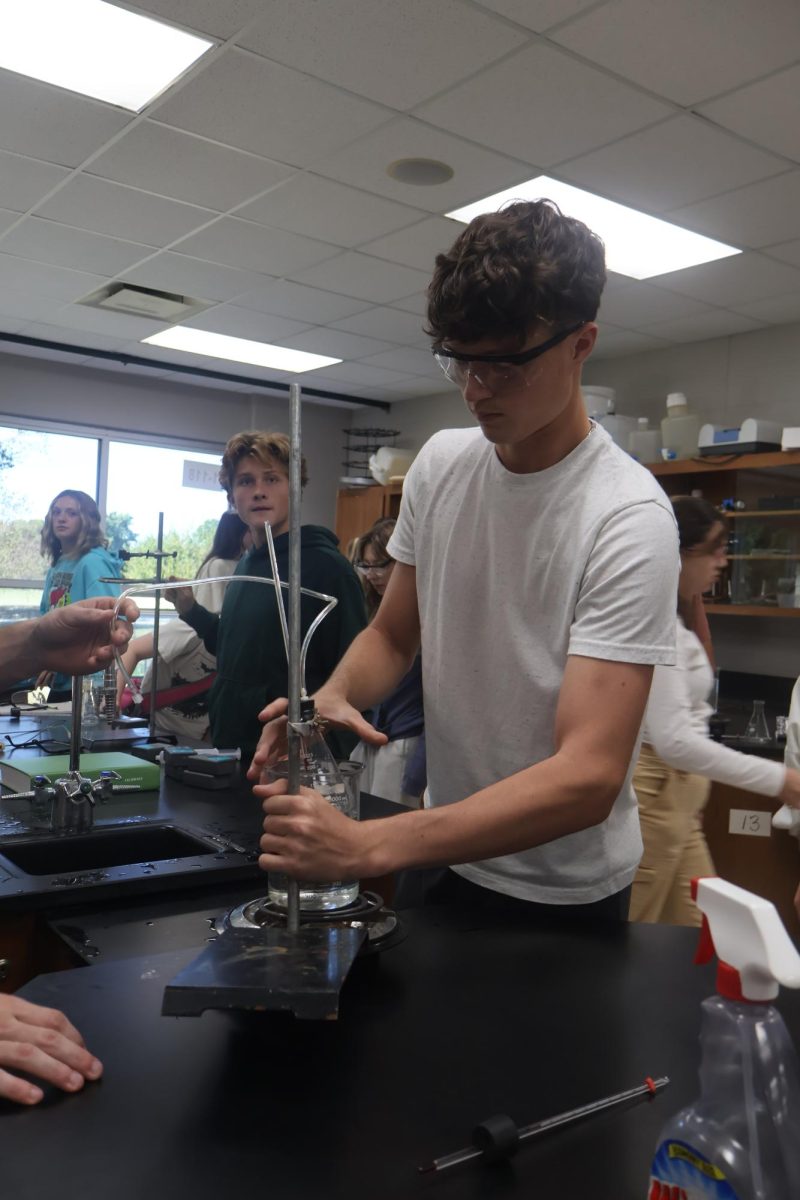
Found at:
<point>91,533</point>
<point>508,269</point>
<point>266,447</point>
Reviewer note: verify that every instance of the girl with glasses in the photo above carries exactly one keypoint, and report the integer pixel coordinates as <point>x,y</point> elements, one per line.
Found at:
<point>396,770</point>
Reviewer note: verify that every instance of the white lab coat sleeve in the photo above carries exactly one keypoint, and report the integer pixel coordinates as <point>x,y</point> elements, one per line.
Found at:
<point>674,737</point>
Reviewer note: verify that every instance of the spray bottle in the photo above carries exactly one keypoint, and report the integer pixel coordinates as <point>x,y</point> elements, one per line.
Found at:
<point>740,1139</point>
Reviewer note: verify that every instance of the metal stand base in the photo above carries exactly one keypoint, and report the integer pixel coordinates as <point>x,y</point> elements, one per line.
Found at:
<point>256,963</point>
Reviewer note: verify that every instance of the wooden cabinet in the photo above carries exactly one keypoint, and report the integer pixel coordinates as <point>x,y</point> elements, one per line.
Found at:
<point>747,851</point>
<point>359,508</point>
<point>763,491</point>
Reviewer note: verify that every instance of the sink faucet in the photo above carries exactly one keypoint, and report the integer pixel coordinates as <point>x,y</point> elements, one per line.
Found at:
<point>67,804</point>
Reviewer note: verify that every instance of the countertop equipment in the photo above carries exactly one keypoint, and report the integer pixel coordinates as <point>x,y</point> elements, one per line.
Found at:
<point>751,437</point>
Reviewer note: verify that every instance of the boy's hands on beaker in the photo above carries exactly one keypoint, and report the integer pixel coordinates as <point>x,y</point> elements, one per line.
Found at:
<point>331,706</point>
<point>305,836</point>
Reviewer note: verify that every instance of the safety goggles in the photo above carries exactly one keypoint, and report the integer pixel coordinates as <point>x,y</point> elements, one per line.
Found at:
<point>364,568</point>
<point>497,372</point>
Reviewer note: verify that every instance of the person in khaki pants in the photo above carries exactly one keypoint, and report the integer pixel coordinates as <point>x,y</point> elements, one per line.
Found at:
<point>678,759</point>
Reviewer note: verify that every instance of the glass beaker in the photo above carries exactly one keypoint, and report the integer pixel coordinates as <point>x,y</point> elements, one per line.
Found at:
<point>757,729</point>
<point>344,793</point>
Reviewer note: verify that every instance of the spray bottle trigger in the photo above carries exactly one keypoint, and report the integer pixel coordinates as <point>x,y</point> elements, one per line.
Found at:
<point>705,947</point>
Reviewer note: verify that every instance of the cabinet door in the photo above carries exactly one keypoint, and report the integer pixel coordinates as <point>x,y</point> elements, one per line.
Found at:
<point>356,510</point>
<point>747,851</point>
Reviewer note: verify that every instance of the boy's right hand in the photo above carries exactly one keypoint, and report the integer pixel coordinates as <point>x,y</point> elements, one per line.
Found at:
<point>331,706</point>
<point>182,597</point>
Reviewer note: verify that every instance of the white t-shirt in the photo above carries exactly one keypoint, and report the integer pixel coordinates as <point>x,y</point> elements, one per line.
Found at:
<point>676,724</point>
<point>514,574</point>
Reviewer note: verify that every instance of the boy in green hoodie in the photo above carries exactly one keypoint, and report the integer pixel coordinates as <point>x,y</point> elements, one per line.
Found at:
<point>246,636</point>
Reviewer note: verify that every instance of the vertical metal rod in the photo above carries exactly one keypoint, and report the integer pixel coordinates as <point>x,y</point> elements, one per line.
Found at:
<point>156,625</point>
<point>75,729</point>
<point>293,888</point>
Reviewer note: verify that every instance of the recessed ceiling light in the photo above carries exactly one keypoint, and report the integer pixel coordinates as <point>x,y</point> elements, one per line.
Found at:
<point>234,349</point>
<point>636,245</point>
<point>420,172</point>
<point>95,48</point>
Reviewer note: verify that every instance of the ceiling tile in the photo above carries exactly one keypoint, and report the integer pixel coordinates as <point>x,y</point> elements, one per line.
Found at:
<point>767,112</point>
<point>337,344</point>
<point>69,337</point>
<point>123,212</point>
<point>561,107</point>
<point>713,323</point>
<point>366,278</point>
<point>405,52</point>
<point>537,14</point>
<point>38,279</point>
<point>172,163</point>
<point>642,304</point>
<point>407,360</point>
<point>740,279</point>
<point>26,308</point>
<point>418,245</point>
<point>220,18</point>
<point>330,210</point>
<point>308,304</point>
<point>786,251</point>
<point>613,345</point>
<point>687,50</point>
<point>244,244</point>
<point>187,276</point>
<point>52,124</point>
<point>413,304</point>
<point>361,375</point>
<point>245,323</point>
<point>385,323</point>
<point>775,310</point>
<point>756,215</point>
<point>476,171</point>
<point>236,98</point>
<point>680,161</point>
<point>26,181</point>
<point>80,317</point>
<point>62,246</point>
<point>7,219</point>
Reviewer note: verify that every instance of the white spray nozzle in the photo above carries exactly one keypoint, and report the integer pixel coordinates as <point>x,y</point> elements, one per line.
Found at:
<point>748,937</point>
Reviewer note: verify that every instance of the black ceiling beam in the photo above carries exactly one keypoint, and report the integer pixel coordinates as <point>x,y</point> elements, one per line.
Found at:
<point>204,372</point>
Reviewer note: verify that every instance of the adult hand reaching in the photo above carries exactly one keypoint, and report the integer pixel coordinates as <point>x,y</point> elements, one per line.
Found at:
<point>74,640</point>
<point>41,1042</point>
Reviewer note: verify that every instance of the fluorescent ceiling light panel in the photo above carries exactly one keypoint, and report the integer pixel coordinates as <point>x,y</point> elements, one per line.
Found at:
<point>636,245</point>
<point>234,349</point>
<point>95,48</point>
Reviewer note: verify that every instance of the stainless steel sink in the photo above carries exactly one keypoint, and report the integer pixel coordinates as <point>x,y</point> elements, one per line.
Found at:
<point>103,848</point>
<point>40,870</point>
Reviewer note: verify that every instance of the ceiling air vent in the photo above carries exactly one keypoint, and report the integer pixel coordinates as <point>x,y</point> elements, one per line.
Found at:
<point>144,302</point>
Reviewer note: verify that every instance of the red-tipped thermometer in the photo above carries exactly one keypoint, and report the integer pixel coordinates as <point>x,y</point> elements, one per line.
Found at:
<point>499,1137</point>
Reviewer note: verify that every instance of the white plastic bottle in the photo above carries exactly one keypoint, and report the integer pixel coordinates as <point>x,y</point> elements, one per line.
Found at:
<point>680,428</point>
<point>644,444</point>
<point>739,1140</point>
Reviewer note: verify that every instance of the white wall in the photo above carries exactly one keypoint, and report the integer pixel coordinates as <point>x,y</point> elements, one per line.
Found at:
<point>142,406</point>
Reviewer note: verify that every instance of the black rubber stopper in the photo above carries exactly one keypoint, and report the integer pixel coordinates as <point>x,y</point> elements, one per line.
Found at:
<point>497,1137</point>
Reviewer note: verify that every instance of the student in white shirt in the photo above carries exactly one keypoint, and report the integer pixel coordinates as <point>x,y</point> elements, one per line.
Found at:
<point>678,759</point>
<point>535,566</point>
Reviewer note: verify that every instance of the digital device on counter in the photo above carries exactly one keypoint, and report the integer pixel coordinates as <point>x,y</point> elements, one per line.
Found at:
<point>751,437</point>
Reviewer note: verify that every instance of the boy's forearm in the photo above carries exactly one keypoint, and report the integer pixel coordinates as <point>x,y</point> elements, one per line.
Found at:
<point>550,800</point>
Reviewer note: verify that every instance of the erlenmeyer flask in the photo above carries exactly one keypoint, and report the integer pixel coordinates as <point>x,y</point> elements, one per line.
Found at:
<point>757,729</point>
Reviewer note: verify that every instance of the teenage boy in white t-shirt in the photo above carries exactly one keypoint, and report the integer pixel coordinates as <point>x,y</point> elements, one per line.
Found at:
<point>536,564</point>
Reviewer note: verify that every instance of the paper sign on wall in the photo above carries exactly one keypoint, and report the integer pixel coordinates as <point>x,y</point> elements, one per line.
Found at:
<point>749,822</point>
<point>201,475</point>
